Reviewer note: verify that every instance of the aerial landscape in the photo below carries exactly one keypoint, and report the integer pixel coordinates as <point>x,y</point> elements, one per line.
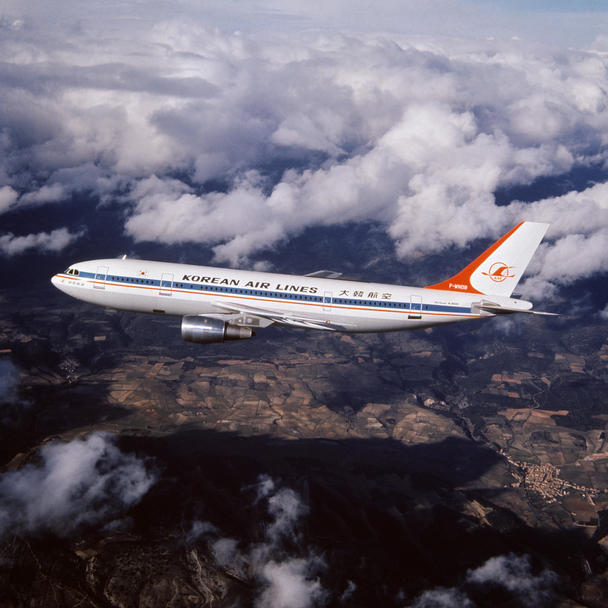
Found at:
<point>456,466</point>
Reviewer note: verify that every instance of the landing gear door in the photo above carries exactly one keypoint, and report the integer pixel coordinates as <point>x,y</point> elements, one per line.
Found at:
<point>166,284</point>
<point>100,277</point>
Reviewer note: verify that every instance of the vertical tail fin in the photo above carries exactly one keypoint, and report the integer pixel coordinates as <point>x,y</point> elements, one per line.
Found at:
<point>499,268</point>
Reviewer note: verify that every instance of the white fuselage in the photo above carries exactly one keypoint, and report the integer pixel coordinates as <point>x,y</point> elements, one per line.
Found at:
<point>342,305</point>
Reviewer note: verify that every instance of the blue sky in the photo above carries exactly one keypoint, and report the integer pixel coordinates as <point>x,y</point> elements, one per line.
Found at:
<point>562,6</point>
<point>561,23</point>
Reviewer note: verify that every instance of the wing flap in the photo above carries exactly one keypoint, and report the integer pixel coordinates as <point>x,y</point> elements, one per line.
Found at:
<point>279,318</point>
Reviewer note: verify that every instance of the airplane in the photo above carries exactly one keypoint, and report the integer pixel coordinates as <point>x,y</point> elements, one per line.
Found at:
<point>220,304</point>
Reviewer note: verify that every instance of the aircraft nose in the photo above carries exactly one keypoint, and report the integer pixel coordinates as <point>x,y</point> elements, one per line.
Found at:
<point>55,280</point>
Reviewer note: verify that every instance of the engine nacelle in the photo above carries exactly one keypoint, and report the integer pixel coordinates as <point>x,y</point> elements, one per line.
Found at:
<point>204,330</point>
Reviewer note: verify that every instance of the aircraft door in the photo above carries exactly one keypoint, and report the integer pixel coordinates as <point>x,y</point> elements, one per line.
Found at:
<point>100,277</point>
<point>166,283</point>
<point>415,307</point>
<point>327,297</point>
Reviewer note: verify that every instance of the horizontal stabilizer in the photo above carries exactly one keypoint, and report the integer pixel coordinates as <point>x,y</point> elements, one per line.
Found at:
<point>324,274</point>
<point>505,310</point>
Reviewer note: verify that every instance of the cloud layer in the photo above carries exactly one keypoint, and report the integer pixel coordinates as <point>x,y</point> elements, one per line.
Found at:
<point>78,483</point>
<point>240,141</point>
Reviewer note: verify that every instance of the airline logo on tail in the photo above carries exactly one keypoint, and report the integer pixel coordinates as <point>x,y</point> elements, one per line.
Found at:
<point>499,271</point>
<point>488,274</point>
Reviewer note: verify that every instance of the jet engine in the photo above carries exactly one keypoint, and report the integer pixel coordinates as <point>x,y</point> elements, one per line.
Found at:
<point>204,330</point>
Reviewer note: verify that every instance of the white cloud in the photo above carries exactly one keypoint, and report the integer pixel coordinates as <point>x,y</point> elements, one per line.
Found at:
<point>285,571</point>
<point>228,555</point>
<point>77,483</point>
<point>47,194</point>
<point>287,581</point>
<point>290,584</point>
<point>198,530</point>
<point>604,313</point>
<point>511,572</point>
<point>53,241</point>
<point>348,592</point>
<point>226,551</point>
<point>427,168</point>
<point>579,235</point>
<point>264,487</point>
<point>286,508</point>
<point>301,129</point>
<point>575,256</point>
<point>514,573</point>
<point>8,197</point>
<point>443,598</point>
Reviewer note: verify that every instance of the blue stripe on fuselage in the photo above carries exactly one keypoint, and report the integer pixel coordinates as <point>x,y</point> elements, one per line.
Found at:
<point>335,302</point>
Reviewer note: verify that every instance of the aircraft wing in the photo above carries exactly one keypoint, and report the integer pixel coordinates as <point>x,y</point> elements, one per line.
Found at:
<point>280,318</point>
<point>324,274</point>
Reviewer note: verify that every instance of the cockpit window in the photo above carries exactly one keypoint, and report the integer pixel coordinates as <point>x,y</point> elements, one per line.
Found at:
<point>73,271</point>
